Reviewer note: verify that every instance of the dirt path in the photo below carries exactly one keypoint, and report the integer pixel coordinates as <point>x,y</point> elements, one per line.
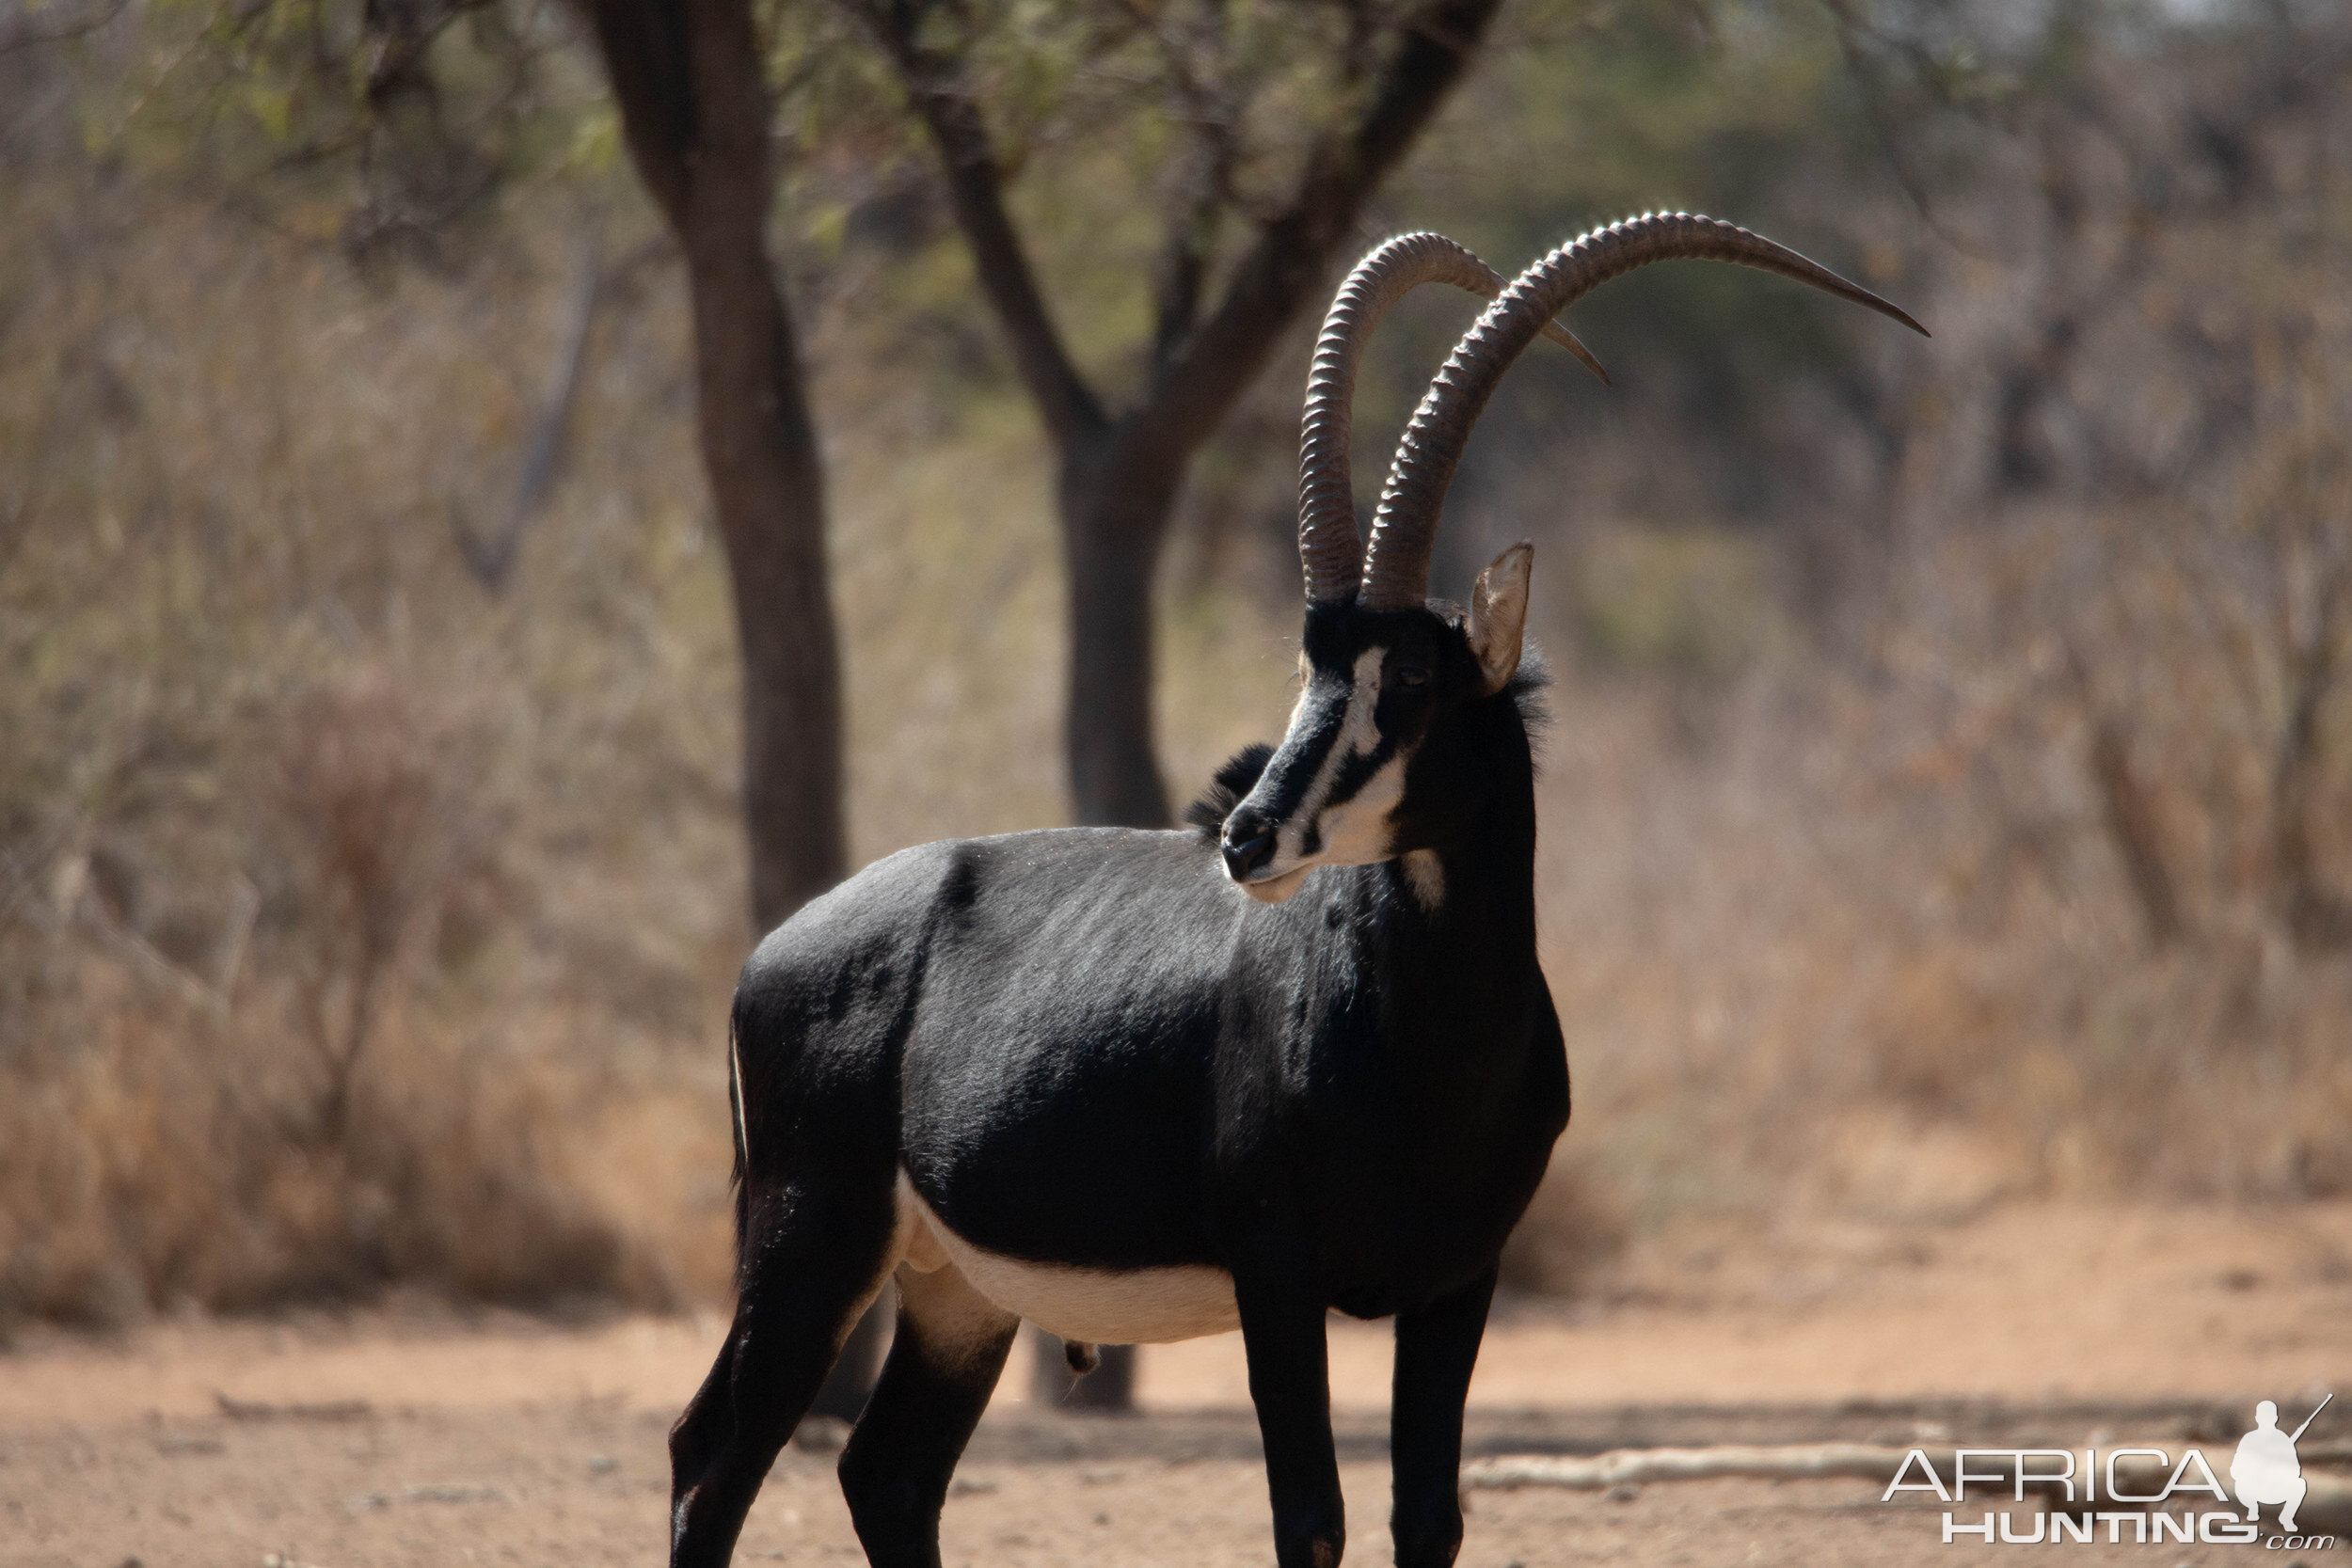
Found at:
<point>505,1440</point>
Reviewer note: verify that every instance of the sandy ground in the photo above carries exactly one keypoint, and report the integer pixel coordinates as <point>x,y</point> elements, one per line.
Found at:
<point>422,1437</point>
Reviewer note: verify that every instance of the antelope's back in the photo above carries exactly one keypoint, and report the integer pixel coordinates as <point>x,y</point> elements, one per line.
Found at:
<point>1057,1085</point>
<point>1033,1018</point>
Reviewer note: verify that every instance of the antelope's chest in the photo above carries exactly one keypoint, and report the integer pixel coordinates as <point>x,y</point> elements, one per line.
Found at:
<point>1412,1171</point>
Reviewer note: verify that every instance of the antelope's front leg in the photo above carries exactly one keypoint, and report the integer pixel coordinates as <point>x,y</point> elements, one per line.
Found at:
<point>1290,1383</point>
<point>1436,1348</point>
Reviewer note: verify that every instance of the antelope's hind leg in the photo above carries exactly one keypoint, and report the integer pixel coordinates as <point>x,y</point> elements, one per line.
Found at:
<point>943,1363</point>
<point>811,1264</point>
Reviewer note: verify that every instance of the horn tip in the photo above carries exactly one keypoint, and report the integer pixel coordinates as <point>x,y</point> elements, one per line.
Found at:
<point>1584,357</point>
<point>1888,308</point>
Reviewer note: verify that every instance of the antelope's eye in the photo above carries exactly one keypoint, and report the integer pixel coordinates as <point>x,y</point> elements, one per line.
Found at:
<point>1411,674</point>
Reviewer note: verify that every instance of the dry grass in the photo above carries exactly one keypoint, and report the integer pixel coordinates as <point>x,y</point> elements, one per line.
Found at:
<point>170,1162</point>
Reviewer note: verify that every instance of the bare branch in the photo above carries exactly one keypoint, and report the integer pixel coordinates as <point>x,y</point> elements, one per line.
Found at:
<point>1206,185</point>
<point>1293,247</point>
<point>16,523</point>
<point>493,558</point>
<point>1641,1466</point>
<point>2126,806</point>
<point>1191,241</point>
<point>2318,918</point>
<point>1850,31</point>
<point>936,90</point>
<point>18,32</point>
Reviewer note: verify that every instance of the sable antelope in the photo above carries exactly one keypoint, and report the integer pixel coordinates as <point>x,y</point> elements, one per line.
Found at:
<point>1139,1086</point>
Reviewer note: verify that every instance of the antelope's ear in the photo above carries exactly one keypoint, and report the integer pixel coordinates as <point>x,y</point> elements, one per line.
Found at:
<point>1498,615</point>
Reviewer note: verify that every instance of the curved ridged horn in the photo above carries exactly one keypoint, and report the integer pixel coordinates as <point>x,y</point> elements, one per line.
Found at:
<point>1328,543</point>
<point>1396,570</point>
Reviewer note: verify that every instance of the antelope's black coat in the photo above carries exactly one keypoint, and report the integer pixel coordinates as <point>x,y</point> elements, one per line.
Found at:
<point>1090,1047</point>
<point>1085,1047</point>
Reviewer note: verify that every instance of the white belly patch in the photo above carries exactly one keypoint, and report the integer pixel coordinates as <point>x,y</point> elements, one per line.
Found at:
<point>1102,1306</point>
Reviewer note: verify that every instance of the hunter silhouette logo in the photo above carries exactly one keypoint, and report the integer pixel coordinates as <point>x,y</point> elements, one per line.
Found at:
<point>2265,1468</point>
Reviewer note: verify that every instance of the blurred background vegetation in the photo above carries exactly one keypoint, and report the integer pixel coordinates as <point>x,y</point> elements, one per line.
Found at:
<point>1945,798</point>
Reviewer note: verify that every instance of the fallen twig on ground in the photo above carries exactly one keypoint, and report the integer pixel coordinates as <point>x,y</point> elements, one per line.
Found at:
<point>439,1492</point>
<point>324,1410</point>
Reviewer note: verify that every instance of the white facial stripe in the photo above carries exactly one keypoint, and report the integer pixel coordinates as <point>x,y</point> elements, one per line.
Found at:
<point>1356,832</point>
<point>1359,732</point>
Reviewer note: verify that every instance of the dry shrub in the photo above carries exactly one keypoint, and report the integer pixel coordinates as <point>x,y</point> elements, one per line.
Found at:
<point>1792,977</point>
<point>174,1160</point>
<point>372,812</point>
<point>356,923</point>
<point>312,1102</point>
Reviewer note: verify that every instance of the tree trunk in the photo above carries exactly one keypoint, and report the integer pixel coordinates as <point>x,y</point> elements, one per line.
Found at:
<point>2133,826</point>
<point>689,78</point>
<point>767,486</point>
<point>689,75</point>
<point>2318,919</point>
<point>1115,514</point>
<point>1113,522</point>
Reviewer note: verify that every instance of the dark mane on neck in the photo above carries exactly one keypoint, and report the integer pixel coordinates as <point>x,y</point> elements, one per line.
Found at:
<point>1530,690</point>
<point>1234,779</point>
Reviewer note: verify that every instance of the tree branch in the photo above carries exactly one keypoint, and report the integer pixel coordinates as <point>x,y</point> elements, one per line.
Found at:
<point>2126,807</point>
<point>1205,190</point>
<point>2319,920</point>
<point>490,559</point>
<point>18,32</point>
<point>1851,31</point>
<point>1293,247</point>
<point>648,59</point>
<point>1183,264</point>
<point>941,99</point>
